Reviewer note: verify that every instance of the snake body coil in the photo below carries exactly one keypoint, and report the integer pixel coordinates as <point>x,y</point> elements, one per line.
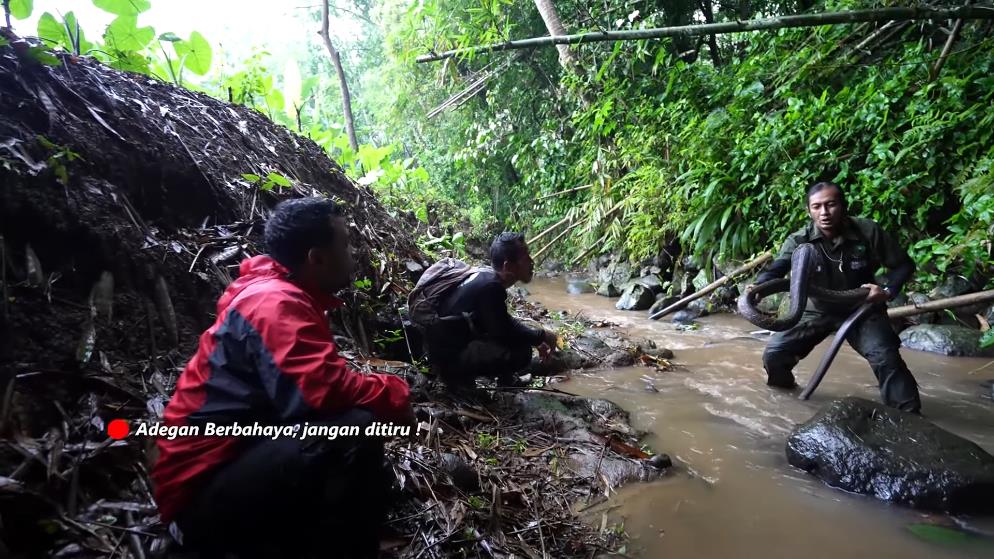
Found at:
<point>802,262</point>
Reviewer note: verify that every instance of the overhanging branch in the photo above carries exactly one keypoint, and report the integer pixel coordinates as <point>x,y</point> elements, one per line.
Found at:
<point>781,22</point>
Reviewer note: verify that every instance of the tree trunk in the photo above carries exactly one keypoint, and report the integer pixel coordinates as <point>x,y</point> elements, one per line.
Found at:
<point>707,8</point>
<point>337,61</point>
<point>555,26</point>
<point>782,22</point>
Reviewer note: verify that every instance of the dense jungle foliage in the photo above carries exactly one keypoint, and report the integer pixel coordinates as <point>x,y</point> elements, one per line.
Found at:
<point>709,141</point>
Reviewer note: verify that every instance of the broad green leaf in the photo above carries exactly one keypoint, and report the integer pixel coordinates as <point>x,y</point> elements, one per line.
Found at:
<point>123,34</point>
<point>197,53</point>
<point>131,62</point>
<point>170,36</point>
<point>292,88</point>
<point>250,177</point>
<point>123,7</point>
<point>44,56</point>
<point>73,28</point>
<point>4,42</point>
<point>278,179</point>
<point>987,340</point>
<point>21,9</point>
<point>51,31</point>
<point>275,100</point>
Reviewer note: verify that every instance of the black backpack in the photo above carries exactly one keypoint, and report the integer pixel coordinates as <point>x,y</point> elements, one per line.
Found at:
<point>435,284</point>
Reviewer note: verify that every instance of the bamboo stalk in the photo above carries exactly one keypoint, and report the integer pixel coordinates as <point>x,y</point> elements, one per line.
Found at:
<point>957,27</point>
<point>781,22</point>
<point>567,191</point>
<point>538,255</point>
<point>589,249</point>
<point>548,230</point>
<point>942,304</point>
<point>613,209</point>
<point>748,266</point>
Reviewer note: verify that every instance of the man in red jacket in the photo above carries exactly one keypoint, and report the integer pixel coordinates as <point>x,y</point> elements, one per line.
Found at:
<point>270,358</point>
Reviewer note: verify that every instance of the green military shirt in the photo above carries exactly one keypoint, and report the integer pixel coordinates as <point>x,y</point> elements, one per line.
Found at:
<point>849,260</point>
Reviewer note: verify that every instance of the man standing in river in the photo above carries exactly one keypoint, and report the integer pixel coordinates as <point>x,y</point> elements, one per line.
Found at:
<point>851,250</point>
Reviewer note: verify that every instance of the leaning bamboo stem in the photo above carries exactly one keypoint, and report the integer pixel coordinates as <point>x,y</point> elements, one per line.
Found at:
<point>548,230</point>
<point>567,191</point>
<point>781,22</point>
<point>748,266</point>
<point>957,27</point>
<point>589,250</point>
<point>610,212</point>
<point>541,252</point>
<point>942,304</point>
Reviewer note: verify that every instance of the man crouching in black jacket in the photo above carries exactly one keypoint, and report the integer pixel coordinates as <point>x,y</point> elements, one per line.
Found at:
<point>489,343</point>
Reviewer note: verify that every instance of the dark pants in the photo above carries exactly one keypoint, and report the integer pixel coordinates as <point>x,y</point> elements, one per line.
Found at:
<point>484,358</point>
<point>294,498</point>
<point>873,338</point>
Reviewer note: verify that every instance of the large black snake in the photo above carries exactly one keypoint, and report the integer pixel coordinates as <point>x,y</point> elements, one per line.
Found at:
<point>801,264</point>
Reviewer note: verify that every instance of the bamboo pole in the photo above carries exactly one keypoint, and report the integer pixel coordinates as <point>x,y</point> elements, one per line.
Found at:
<point>539,254</point>
<point>957,27</point>
<point>590,249</point>
<point>548,230</point>
<point>781,22</point>
<point>748,266</point>
<point>942,304</point>
<point>567,191</point>
<point>541,251</point>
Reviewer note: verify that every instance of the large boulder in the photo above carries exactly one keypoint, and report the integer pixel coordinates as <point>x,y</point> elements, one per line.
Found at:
<point>695,309</point>
<point>612,277</point>
<point>578,285</point>
<point>635,297</point>
<point>945,339</point>
<point>951,287</point>
<point>864,447</point>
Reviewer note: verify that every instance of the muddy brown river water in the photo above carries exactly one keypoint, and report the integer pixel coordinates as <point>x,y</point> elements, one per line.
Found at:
<point>733,494</point>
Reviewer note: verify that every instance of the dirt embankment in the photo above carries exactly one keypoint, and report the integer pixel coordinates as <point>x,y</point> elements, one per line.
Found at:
<point>123,213</point>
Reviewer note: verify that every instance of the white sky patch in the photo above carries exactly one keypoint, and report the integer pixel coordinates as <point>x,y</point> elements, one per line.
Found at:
<point>236,26</point>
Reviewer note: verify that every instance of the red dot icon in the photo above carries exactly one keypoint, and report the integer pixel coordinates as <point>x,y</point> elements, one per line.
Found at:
<point>117,429</point>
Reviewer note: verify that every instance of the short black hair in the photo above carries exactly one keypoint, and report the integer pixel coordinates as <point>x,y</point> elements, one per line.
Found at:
<point>298,225</point>
<point>506,247</point>
<point>819,186</point>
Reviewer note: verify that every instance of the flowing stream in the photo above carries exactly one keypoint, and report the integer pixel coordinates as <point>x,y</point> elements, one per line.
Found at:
<point>733,494</point>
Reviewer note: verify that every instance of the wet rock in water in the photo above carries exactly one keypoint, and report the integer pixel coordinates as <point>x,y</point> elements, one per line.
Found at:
<point>661,353</point>
<point>463,475</point>
<point>864,447</point>
<point>695,309</point>
<point>989,315</point>
<point>620,359</point>
<point>579,419</point>
<point>661,461</point>
<point>612,277</point>
<point>945,339</point>
<point>576,286</point>
<point>725,295</point>
<point>635,297</point>
<point>592,344</point>
<point>661,303</point>
<point>518,291</point>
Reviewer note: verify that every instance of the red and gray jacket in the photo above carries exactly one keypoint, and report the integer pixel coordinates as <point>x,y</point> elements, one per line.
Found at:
<point>269,357</point>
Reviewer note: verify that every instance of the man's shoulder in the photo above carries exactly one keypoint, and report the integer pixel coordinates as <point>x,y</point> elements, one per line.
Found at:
<point>865,226</point>
<point>801,235</point>
<point>269,298</point>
